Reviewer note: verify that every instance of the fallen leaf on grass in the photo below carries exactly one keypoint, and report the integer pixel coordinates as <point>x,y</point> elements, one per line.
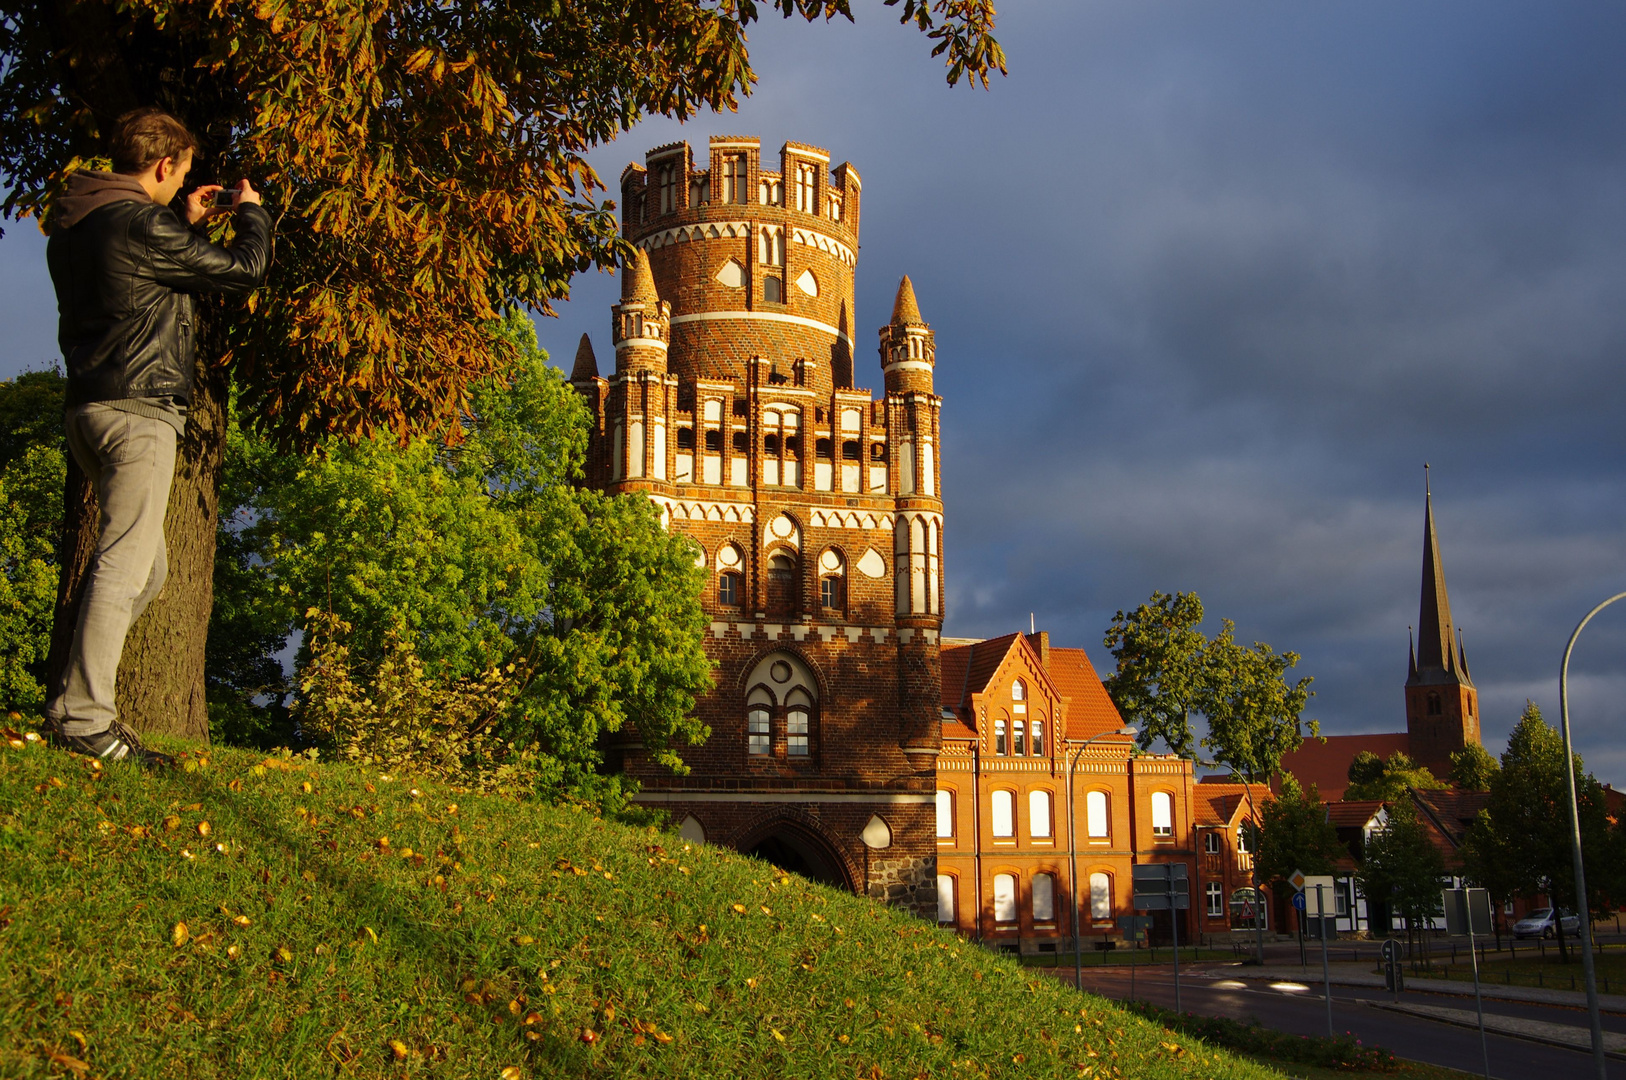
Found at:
<point>204,828</point>
<point>72,1064</point>
<point>399,1049</point>
<point>178,935</point>
<point>172,822</point>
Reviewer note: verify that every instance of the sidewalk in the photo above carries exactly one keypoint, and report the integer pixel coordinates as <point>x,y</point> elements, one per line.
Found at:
<point>1566,1035</point>
<point>1361,975</point>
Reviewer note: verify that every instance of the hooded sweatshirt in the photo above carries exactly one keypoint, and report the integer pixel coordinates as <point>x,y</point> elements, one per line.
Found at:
<point>88,191</point>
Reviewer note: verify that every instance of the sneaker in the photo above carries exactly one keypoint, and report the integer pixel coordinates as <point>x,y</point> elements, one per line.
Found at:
<point>117,743</point>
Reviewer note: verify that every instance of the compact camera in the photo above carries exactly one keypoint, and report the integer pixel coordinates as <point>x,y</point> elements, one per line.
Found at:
<point>226,198</point>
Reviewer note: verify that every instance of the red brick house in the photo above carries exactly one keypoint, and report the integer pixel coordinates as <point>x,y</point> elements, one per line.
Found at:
<point>1017,716</point>
<point>814,505</point>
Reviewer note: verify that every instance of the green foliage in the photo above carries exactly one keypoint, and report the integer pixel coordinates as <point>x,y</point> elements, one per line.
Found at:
<point>1401,867</point>
<point>1387,780</point>
<point>32,472</point>
<point>400,718</point>
<point>1520,843</point>
<point>346,909</point>
<point>1344,1053</point>
<point>1167,670</point>
<point>427,163</point>
<point>31,413</point>
<point>1294,834</point>
<point>30,522</point>
<point>476,557</point>
<point>1473,768</point>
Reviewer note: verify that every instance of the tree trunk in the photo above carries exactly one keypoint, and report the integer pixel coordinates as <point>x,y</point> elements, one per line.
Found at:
<point>160,680</point>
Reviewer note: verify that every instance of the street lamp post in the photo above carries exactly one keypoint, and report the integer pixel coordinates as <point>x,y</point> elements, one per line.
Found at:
<point>1575,846</point>
<point>1072,852</point>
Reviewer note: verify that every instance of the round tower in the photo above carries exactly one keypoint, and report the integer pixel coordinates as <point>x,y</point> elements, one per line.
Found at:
<point>908,346</point>
<point>641,394</point>
<point>754,261</point>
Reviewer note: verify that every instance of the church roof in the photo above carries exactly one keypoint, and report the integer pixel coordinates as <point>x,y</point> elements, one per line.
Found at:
<point>1439,657</point>
<point>586,367</point>
<point>904,309</point>
<point>1326,764</point>
<point>637,281</point>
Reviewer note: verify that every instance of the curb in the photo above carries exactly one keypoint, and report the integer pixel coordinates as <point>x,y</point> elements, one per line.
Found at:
<point>1584,1045</point>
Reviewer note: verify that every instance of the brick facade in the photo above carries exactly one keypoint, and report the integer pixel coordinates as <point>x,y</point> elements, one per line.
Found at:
<point>1021,720</point>
<point>814,505</point>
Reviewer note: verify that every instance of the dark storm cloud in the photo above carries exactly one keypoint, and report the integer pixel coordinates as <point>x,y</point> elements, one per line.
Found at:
<point>1210,283</point>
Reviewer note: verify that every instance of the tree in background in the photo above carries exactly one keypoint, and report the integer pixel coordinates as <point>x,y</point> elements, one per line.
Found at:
<point>1294,834</point>
<point>1520,843</point>
<point>1168,671</point>
<point>32,469</point>
<point>455,562</point>
<point>1387,780</point>
<point>1402,867</point>
<point>1473,768</point>
<point>426,165</point>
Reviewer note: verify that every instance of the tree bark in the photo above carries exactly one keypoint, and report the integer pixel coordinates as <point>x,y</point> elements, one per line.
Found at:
<point>160,680</point>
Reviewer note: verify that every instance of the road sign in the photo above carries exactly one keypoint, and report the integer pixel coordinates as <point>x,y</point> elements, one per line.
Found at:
<point>1459,903</point>
<point>1299,902</point>
<point>1316,899</point>
<point>1297,880</point>
<point>1161,887</point>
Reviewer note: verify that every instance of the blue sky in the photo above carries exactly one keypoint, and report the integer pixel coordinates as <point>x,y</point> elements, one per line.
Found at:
<point>1210,283</point>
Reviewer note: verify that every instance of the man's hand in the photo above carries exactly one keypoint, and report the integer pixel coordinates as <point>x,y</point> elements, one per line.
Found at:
<point>200,204</point>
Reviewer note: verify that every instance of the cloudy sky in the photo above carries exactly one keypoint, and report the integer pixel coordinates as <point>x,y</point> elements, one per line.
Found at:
<point>1211,282</point>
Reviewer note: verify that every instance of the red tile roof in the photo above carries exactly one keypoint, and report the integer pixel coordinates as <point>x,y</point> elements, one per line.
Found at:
<point>1353,814</point>
<point>1217,803</point>
<point>1451,810</point>
<point>1090,711</point>
<point>1326,764</point>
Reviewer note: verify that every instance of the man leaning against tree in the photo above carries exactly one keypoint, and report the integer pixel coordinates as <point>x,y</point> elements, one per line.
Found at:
<point>125,267</point>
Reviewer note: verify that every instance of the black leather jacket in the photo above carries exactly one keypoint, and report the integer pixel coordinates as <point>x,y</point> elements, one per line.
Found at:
<point>123,274</point>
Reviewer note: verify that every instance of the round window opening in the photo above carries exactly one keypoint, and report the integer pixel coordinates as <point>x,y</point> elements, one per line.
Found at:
<point>780,672</point>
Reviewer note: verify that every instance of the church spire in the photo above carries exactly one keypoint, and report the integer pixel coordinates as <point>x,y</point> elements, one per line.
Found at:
<point>1437,649</point>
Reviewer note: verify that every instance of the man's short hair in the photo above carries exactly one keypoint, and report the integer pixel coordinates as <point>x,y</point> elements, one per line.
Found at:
<point>144,136</point>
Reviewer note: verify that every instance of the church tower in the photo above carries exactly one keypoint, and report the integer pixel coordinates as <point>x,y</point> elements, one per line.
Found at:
<point>1442,705</point>
<point>813,505</point>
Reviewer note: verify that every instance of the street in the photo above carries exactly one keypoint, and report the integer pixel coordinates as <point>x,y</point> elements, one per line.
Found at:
<point>1298,1009</point>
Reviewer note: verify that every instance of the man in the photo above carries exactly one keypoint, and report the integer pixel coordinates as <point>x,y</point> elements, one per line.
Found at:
<point>125,266</point>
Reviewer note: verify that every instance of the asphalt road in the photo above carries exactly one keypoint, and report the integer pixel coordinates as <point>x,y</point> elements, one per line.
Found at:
<point>1303,1012</point>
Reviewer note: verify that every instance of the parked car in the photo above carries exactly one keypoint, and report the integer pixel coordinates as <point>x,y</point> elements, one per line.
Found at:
<point>1539,923</point>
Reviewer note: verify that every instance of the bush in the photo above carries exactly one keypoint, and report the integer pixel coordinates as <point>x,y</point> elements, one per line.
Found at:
<point>1344,1052</point>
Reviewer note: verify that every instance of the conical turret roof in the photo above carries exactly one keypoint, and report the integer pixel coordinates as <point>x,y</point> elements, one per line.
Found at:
<point>586,367</point>
<point>904,309</point>
<point>637,283</point>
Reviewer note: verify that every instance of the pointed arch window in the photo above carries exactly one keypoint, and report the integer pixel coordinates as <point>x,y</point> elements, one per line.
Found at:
<point>1434,705</point>
<point>782,582</point>
<point>782,709</point>
<point>668,188</point>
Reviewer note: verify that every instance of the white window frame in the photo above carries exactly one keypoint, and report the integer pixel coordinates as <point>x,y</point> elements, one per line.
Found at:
<point>1005,899</point>
<point>1042,898</point>
<point>1162,815</point>
<point>1100,896</point>
<point>945,815</point>
<point>1098,815</point>
<point>946,915</point>
<point>1039,803</point>
<point>1002,813</point>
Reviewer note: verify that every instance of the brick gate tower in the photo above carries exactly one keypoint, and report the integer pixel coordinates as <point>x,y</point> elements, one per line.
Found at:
<point>816,509</point>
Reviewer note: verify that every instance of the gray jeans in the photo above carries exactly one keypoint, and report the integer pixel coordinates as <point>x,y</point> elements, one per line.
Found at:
<point>130,461</point>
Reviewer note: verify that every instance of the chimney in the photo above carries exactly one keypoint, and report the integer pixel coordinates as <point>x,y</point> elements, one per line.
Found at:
<point>1041,645</point>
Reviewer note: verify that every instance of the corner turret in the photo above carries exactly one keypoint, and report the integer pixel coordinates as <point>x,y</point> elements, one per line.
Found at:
<point>908,346</point>
<point>585,369</point>
<point>641,321</point>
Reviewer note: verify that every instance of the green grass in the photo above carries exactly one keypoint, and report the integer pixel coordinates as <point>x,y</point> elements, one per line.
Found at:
<point>1529,970</point>
<point>245,918</point>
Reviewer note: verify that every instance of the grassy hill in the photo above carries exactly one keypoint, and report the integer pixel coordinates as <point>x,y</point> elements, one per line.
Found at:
<point>250,917</point>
